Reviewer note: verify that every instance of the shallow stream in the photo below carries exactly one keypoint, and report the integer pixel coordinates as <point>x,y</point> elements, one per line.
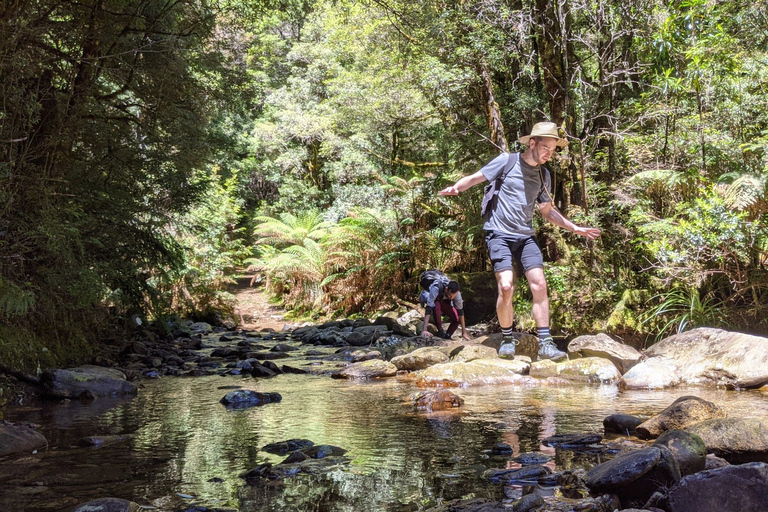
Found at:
<point>183,447</point>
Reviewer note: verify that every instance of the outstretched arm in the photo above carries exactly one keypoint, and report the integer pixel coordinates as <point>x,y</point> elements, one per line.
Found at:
<point>463,184</point>
<point>550,213</point>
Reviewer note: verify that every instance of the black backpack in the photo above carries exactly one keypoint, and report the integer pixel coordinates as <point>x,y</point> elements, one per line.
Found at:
<point>430,276</point>
<point>491,191</point>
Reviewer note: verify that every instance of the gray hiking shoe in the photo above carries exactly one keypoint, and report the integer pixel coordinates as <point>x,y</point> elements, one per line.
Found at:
<point>548,350</point>
<point>507,348</point>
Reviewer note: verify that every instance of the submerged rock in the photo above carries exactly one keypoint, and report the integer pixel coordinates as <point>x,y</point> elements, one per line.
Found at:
<point>621,423</point>
<point>470,505</point>
<point>108,505</point>
<point>439,400</point>
<point>288,446</point>
<point>19,439</point>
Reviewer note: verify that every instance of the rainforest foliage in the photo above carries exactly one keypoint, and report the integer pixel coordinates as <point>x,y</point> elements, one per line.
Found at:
<point>148,149</point>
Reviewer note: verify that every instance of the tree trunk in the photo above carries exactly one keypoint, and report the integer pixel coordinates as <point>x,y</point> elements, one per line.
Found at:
<point>492,111</point>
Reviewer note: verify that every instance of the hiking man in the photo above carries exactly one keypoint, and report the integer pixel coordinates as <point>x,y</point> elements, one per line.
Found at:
<point>440,296</point>
<point>510,234</point>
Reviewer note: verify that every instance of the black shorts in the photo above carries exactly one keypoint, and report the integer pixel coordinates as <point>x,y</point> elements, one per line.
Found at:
<point>506,249</point>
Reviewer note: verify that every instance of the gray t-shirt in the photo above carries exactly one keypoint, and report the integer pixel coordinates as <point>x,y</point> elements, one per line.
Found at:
<point>521,191</point>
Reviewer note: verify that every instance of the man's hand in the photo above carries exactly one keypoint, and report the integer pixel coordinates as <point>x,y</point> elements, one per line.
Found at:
<point>426,334</point>
<point>590,233</point>
<point>449,191</point>
<point>466,336</point>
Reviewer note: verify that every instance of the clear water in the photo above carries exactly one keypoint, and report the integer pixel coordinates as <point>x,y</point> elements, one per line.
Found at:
<point>185,448</point>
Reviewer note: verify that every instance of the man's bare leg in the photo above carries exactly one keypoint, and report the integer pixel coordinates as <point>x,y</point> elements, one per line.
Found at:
<point>505,281</point>
<point>538,283</point>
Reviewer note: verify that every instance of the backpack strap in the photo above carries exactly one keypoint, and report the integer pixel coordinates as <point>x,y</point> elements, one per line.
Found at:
<point>511,163</point>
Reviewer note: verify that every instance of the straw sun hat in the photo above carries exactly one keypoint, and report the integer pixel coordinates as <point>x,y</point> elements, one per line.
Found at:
<point>545,129</point>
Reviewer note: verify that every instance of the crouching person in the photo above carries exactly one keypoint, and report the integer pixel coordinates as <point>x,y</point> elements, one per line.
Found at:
<point>441,296</point>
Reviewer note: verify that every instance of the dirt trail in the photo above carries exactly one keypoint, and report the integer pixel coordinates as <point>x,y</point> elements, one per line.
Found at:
<point>253,310</point>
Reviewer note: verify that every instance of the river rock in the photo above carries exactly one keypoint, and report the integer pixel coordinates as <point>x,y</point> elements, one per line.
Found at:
<point>372,369</point>
<point>419,359</point>
<point>288,446</point>
<point>682,413</point>
<point>525,474</point>
<point>108,505</point>
<point>470,505</point>
<point>621,423</point>
<point>474,373</point>
<point>242,398</point>
<point>688,449</point>
<point>656,373</point>
<point>586,369</point>
<point>466,352</point>
<point>707,356</point>
<point>527,344</point>
<point>603,346</point>
<point>438,400</point>
<point>734,439</point>
<point>572,440</point>
<point>86,382</point>
<point>742,488</point>
<point>634,476</point>
<point>19,439</point>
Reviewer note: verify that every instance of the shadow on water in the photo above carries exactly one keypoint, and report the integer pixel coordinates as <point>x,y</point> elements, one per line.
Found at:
<point>183,447</point>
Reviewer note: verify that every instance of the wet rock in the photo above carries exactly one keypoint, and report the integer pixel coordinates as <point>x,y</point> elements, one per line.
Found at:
<point>470,505</point>
<point>392,325</point>
<point>474,373</point>
<point>734,439</point>
<point>373,369</point>
<point>688,449</point>
<point>527,503</point>
<point>108,505</point>
<point>502,449</point>
<point>323,450</point>
<point>19,439</point>
<point>297,456</point>
<point>225,353</point>
<point>283,348</point>
<point>359,339</point>
<point>86,382</point>
<point>603,346</point>
<point>531,458</point>
<point>572,440</point>
<point>656,373</point>
<point>293,369</point>
<point>520,475</point>
<point>621,423</point>
<point>682,413</point>
<point>419,359</point>
<point>356,356</point>
<point>742,488</point>
<point>288,446</point>
<point>585,369</point>
<point>242,398</point>
<point>714,462</point>
<point>636,475</point>
<point>439,400</point>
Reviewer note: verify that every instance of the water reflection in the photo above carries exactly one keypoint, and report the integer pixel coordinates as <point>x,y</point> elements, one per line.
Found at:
<point>183,441</point>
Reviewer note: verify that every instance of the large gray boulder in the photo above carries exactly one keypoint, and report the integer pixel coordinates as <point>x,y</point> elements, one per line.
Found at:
<point>707,356</point>
<point>86,382</point>
<point>586,369</point>
<point>602,345</point>
<point>479,372</point>
<point>741,488</point>
<point>656,373</point>
<point>19,439</point>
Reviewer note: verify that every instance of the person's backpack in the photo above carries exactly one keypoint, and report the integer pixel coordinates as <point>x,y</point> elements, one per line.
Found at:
<point>491,191</point>
<point>430,276</point>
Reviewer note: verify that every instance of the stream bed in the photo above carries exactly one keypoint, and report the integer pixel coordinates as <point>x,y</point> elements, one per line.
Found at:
<point>175,446</point>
